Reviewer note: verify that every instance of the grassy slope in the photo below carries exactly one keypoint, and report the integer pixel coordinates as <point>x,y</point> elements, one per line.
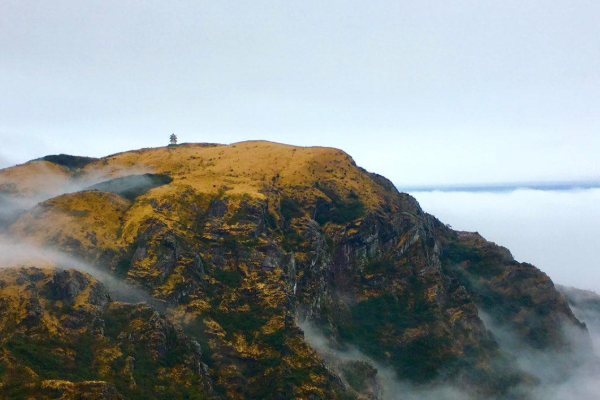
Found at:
<point>246,235</point>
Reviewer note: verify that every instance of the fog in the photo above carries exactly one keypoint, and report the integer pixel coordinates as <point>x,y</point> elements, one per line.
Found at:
<point>18,253</point>
<point>387,386</point>
<point>561,376</point>
<point>48,185</point>
<point>557,231</point>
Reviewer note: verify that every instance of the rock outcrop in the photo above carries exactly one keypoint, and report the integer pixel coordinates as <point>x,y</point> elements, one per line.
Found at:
<point>245,241</point>
<point>61,337</point>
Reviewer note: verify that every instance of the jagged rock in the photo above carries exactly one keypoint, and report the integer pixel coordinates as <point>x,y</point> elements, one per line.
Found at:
<point>249,238</point>
<point>62,338</point>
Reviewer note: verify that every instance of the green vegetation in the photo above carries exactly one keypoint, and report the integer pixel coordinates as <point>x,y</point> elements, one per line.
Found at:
<point>271,220</point>
<point>477,269</point>
<point>275,339</point>
<point>123,266</point>
<point>240,215</point>
<point>456,253</point>
<point>125,261</point>
<point>147,370</point>
<point>373,319</point>
<point>245,322</point>
<point>355,378</point>
<point>291,240</point>
<point>380,266</point>
<point>148,377</point>
<point>116,320</point>
<point>369,316</point>
<point>79,213</point>
<point>42,356</point>
<point>347,396</point>
<point>291,208</point>
<point>340,210</point>
<point>205,244</point>
<point>229,278</point>
<point>132,186</point>
<point>68,161</point>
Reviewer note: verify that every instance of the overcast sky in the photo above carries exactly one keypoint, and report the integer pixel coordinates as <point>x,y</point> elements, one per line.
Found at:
<point>424,92</point>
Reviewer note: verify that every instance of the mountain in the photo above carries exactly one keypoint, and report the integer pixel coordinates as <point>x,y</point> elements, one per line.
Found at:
<point>299,275</point>
<point>63,337</point>
<point>586,306</point>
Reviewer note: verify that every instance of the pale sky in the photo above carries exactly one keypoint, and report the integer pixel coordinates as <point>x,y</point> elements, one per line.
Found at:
<point>424,92</point>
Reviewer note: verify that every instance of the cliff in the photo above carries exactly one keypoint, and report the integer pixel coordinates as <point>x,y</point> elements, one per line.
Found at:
<point>248,241</point>
<point>63,338</point>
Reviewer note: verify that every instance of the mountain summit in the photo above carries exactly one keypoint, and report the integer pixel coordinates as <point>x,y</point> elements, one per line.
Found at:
<point>279,272</point>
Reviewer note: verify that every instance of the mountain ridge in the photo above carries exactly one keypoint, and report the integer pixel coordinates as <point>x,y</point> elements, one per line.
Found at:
<point>249,239</point>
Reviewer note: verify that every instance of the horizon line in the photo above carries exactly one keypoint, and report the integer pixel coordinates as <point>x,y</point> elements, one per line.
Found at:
<point>505,187</point>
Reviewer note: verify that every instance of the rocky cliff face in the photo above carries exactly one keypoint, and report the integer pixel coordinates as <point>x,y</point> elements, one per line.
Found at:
<point>247,241</point>
<point>63,338</point>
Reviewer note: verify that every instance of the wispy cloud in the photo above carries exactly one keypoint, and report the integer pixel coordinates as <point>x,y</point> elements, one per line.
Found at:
<point>13,203</point>
<point>15,253</point>
<point>388,386</point>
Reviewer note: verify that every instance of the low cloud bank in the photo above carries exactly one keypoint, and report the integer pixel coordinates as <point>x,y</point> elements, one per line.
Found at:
<point>586,307</point>
<point>559,232</point>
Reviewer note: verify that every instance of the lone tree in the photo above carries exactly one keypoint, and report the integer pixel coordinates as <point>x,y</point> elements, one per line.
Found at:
<point>173,139</point>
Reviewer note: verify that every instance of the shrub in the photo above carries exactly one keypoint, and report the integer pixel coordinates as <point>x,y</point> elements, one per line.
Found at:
<point>379,266</point>
<point>68,161</point>
<point>291,208</point>
<point>340,210</point>
<point>229,278</point>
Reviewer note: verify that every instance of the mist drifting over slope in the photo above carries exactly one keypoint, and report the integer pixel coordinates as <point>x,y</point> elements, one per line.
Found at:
<point>557,376</point>
<point>14,202</point>
<point>127,182</point>
<point>386,385</point>
<point>14,254</point>
<point>558,230</point>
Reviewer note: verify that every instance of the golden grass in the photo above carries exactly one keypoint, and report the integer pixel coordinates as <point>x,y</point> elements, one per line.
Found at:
<point>92,218</point>
<point>34,177</point>
<point>251,168</point>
